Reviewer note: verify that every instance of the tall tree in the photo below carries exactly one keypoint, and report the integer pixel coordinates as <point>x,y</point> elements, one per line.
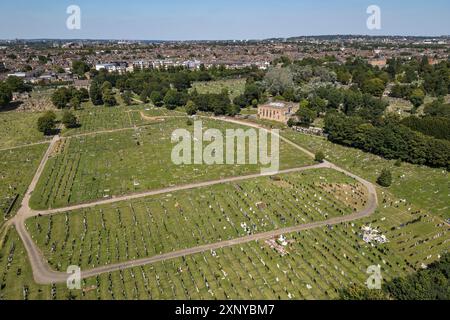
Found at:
<point>80,67</point>
<point>46,123</point>
<point>157,98</point>
<point>69,119</point>
<point>305,116</point>
<point>127,98</point>
<point>385,178</point>
<point>417,97</point>
<point>96,94</point>
<point>374,86</point>
<point>5,94</point>
<point>61,97</point>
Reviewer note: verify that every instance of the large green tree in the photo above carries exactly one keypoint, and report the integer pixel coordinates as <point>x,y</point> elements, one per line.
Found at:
<point>385,178</point>
<point>80,67</point>
<point>108,98</point>
<point>5,94</point>
<point>96,94</point>
<point>47,123</point>
<point>127,97</point>
<point>191,108</point>
<point>157,98</point>
<point>61,98</point>
<point>305,116</point>
<point>417,97</point>
<point>16,84</point>
<point>279,80</point>
<point>69,119</point>
<point>174,98</point>
<point>374,86</point>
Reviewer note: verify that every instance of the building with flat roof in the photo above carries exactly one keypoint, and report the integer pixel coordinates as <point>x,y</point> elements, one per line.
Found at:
<point>378,62</point>
<point>277,111</point>
<point>112,67</point>
<point>17,74</point>
<point>79,84</point>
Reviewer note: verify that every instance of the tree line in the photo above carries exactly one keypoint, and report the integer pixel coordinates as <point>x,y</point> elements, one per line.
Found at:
<point>389,139</point>
<point>171,88</point>
<point>431,79</point>
<point>438,127</point>
<point>9,86</point>
<point>432,283</point>
<point>69,97</point>
<point>48,121</point>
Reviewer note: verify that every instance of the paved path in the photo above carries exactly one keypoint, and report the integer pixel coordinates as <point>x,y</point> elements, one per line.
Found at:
<point>36,258</point>
<point>257,126</point>
<point>159,118</point>
<point>77,135</point>
<point>32,213</point>
<point>43,273</point>
<point>93,133</point>
<point>25,145</point>
<point>4,231</point>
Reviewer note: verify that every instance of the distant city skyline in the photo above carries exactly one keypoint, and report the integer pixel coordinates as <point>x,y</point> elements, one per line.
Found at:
<point>220,20</point>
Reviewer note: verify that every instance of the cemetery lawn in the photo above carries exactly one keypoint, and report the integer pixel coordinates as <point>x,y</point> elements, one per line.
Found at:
<point>17,167</point>
<point>425,187</point>
<point>19,128</point>
<point>235,87</point>
<point>318,262</point>
<point>98,118</point>
<point>150,111</point>
<point>98,166</point>
<point>314,265</point>
<point>143,228</point>
<point>249,111</point>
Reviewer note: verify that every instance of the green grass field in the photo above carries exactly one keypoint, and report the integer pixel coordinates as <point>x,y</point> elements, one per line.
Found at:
<point>93,119</point>
<point>425,187</point>
<point>150,111</point>
<point>235,87</point>
<point>99,166</point>
<point>314,265</point>
<point>19,128</point>
<point>249,111</point>
<point>400,107</point>
<point>318,262</point>
<point>143,228</point>
<point>17,167</point>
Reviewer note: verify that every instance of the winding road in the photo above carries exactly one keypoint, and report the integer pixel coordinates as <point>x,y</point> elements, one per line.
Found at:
<point>43,273</point>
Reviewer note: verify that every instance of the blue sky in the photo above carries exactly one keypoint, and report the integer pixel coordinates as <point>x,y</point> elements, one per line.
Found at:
<point>219,19</point>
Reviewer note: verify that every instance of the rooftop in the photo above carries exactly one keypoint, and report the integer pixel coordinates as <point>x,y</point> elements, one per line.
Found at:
<point>278,105</point>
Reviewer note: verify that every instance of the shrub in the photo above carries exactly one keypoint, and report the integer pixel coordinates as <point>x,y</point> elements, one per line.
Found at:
<point>385,179</point>
<point>191,108</point>
<point>320,156</point>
